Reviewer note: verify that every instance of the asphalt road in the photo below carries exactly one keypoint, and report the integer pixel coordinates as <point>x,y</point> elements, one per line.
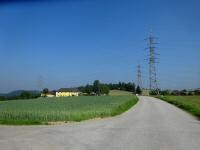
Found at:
<point>150,125</point>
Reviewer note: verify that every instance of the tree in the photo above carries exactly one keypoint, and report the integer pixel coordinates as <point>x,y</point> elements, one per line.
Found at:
<point>104,89</point>
<point>191,93</point>
<point>138,90</point>
<point>96,87</point>
<point>183,92</point>
<point>2,98</point>
<point>197,92</point>
<point>155,92</point>
<point>122,86</point>
<point>165,92</point>
<point>45,91</point>
<point>130,87</point>
<point>25,95</point>
<point>88,89</point>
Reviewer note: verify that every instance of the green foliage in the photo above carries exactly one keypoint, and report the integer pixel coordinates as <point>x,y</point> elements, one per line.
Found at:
<point>122,86</point>
<point>104,89</point>
<point>45,91</point>
<point>155,92</point>
<point>97,87</point>
<point>25,95</point>
<point>180,92</point>
<point>188,103</point>
<point>28,95</point>
<point>175,92</point>
<point>197,92</point>
<point>80,108</point>
<point>138,90</point>
<point>183,92</point>
<point>20,122</point>
<point>165,92</point>
<point>88,89</point>
<point>2,98</point>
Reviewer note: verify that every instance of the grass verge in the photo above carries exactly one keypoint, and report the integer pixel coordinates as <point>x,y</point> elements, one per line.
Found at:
<point>189,103</point>
<point>20,122</point>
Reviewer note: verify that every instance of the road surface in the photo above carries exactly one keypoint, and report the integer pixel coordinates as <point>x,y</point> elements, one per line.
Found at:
<point>150,125</point>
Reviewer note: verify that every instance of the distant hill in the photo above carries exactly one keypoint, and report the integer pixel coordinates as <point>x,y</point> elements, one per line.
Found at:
<point>18,93</point>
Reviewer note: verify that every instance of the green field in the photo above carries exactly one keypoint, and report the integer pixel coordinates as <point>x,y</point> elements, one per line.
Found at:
<point>44,110</point>
<point>188,103</point>
<point>120,93</point>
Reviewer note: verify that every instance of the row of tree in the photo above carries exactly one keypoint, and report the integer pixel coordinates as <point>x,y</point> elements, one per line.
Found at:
<point>98,88</point>
<point>125,87</point>
<point>122,86</point>
<point>23,95</point>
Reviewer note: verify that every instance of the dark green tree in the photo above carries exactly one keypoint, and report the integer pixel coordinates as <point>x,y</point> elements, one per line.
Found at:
<point>155,92</point>
<point>25,95</point>
<point>96,87</point>
<point>165,92</point>
<point>2,98</point>
<point>88,89</point>
<point>197,92</point>
<point>130,87</point>
<point>104,89</point>
<point>183,92</point>
<point>138,90</point>
<point>45,91</point>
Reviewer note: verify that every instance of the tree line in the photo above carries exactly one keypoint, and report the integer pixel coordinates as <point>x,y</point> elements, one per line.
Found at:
<point>23,95</point>
<point>98,88</point>
<point>130,86</point>
<point>176,92</point>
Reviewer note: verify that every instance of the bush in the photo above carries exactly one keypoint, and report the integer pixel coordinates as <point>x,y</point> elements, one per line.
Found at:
<point>165,92</point>
<point>155,92</point>
<point>197,92</point>
<point>138,90</point>
<point>2,98</point>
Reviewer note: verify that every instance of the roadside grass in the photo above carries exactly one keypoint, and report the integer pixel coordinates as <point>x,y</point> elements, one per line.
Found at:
<point>45,110</point>
<point>21,122</point>
<point>188,103</point>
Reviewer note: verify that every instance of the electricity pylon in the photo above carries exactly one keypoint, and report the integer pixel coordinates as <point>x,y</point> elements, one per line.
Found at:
<point>139,76</point>
<point>153,83</point>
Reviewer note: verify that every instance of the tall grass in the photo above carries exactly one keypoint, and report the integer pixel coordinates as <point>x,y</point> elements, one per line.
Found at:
<point>44,110</point>
<point>188,103</point>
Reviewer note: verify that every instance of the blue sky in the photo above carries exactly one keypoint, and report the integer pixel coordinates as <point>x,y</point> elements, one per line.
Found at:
<point>70,43</point>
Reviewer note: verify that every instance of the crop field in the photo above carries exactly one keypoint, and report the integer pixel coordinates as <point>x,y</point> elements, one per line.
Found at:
<point>188,103</point>
<point>120,93</point>
<point>44,110</point>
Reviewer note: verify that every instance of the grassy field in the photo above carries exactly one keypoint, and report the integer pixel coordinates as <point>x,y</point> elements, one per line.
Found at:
<point>188,103</point>
<point>119,92</point>
<point>44,110</point>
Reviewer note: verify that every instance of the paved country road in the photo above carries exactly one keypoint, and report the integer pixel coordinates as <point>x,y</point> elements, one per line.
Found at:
<point>150,125</point>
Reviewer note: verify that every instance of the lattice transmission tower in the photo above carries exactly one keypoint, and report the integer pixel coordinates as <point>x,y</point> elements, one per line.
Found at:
<point>153,82</point>
<point>139,76</point>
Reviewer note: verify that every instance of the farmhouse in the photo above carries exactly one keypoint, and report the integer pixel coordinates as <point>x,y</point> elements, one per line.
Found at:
<point>64,92</point>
